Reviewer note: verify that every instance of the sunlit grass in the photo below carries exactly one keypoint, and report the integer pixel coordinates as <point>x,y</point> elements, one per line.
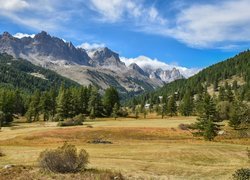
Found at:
<point>143,148</point>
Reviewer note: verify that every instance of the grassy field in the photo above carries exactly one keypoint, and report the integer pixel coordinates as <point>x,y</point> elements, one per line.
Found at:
<point>151,148</point>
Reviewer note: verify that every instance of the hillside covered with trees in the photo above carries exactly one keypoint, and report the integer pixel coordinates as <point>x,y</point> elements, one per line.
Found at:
<point>23,75</point>
<point>216,77</point>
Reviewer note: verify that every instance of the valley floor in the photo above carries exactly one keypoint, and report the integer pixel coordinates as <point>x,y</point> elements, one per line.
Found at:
<point>141,149</point>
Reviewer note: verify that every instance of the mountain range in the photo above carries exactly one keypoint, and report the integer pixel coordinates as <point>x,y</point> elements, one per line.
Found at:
<point>101,67</point>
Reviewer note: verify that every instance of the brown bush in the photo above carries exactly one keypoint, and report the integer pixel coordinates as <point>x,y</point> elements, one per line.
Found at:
<point>184,127</point>
<point>76,121</point>
<point>64,159</point>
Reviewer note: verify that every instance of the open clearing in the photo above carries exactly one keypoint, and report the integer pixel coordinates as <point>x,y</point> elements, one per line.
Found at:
<point>142,149</point>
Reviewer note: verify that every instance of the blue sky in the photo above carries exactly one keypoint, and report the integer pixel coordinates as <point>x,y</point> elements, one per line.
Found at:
<point>183,32</point>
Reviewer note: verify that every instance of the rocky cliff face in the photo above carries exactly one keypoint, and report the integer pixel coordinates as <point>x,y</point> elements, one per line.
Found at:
<point>101,67</point>
<point>105,57</point>
<point>169,75</point>
<point>43,49</point>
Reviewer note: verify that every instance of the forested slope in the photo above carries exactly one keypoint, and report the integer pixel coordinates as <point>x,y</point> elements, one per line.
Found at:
<point>215,75</point>
<point>21,74</point>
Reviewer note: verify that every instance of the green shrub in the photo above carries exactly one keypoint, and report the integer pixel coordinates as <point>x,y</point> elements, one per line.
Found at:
<point>242,174</point>
<point>64,159</point>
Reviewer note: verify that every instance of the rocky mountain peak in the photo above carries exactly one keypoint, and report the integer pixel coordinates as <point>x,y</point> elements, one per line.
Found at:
<point>42,35</point>
<point>6,34</point>
<point>105,57</point>
<point>137,68</point>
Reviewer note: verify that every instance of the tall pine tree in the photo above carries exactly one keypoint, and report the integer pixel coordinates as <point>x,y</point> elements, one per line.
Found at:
<point>206,125</point>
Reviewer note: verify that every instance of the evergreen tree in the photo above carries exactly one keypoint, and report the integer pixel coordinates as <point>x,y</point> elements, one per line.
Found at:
<point>61,104</point>
<point>163,110</point>
<point>240,115</point>
<point>18,105</point>
<point>229,94</point>
<point>198,103</point>
<point>222,94</point>
<point>95,104</point>
<point>110,98</point>
<point>45,103</point>
<point>1,119</point>
<point>52,95</point>
<point>92,113</point>
<point>235,85</point>
<point>215,85</point>
<point>83,99</point>
<point>137,112</point>
<point>6,107</point>
<point>206,122</point>
<point>172,107</point>
<point>34,107</point>
<point>187,104</point>
<point>115,111</point>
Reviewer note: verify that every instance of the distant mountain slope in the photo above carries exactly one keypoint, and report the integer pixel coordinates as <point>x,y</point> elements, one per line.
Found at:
<point>101,66</point>
<point>236,68</point>
<point>22,74</point>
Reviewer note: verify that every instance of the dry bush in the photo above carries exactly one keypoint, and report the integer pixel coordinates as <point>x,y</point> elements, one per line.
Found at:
<point>64,159</point>
<point>184,127</point>
<point>75,121</point>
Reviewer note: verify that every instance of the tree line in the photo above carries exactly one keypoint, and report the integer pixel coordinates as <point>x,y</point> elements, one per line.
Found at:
<point>59,105</point>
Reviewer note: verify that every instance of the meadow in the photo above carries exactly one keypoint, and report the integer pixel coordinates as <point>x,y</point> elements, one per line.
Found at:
<point>151,148</point>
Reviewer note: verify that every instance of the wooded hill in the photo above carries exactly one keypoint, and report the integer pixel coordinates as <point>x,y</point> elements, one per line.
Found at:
<point>23,75</point>
<point>214,77</point>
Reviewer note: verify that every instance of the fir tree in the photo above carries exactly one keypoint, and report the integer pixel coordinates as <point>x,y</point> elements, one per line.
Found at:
<point>206,122</point>
<point>172,107</point>
<point>115,111</point>
<point>61,104</point>
<point>45,103</point>
<point>222,94</point>
<point>186,106</point>
<point>110,98</point>
<point>34,107</point>
<point>95,104</point>
<point>240,115</point>
<point>163,110</point>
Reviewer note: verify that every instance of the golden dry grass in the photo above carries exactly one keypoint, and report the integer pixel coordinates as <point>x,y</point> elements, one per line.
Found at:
<point>146,148</point>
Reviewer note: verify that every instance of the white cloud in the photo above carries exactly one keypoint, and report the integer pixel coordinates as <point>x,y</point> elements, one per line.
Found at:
<point>117,10</point>
<point>21,35</point>
<point>145,62</point>
<point>89,46</point>
<point>212,25</point>
<point>36,14</point>
<point>13,5</point>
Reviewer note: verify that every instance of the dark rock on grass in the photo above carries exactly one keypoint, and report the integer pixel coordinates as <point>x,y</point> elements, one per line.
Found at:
<point>100,141</point>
